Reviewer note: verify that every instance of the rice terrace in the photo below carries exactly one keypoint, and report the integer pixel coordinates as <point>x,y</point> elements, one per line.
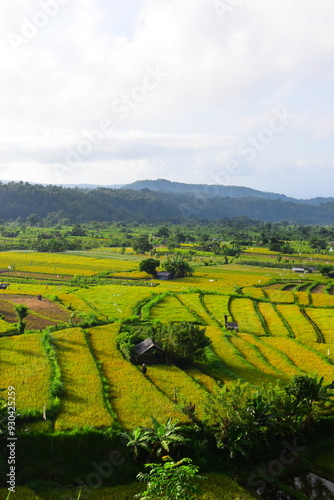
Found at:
<point>92,318</point>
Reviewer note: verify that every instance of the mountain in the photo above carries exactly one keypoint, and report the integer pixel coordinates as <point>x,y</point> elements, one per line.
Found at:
<point>21,200</point>
<point>210,190</point>
<point>215,190</point>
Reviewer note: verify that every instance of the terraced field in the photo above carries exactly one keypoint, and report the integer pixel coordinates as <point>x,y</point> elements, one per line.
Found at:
<point>281,333</point>
<point>24,365</point>
<point>82,403</point>
<point>133,396</point>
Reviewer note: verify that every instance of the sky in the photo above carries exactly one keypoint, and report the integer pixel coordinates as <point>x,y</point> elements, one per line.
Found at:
<point>231,92</point>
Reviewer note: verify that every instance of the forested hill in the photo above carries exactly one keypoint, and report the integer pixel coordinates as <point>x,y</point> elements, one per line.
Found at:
<point>21,199</point>
<point>209,190</point>
<point>213,191</point>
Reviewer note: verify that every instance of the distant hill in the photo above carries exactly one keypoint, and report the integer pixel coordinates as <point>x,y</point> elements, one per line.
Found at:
<point>143,205</point>
<point>210,190</point>
<point>215,190</point>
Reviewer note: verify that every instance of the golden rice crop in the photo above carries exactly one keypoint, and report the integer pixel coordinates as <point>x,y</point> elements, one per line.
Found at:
<point>244,314</point>
<point>173,381</point>
<point>322,300</point>
<point>235,274</point>
<point>171,309</point>
<point>73,301</point>
<point>232,358</point>
<point>326,350</point>
<point>255,292</point>
<point>303,298</point>
<point>113,301</point>
<point>24,365</point>
<point>218,306</point>
<point>274,356</point>
<point>192,302</point>
<point>65,263</point>
<point>36,289</point>
<point>305,358</point>
<point>323,318</point>
<point>254,356</point>
<point>82,403</point>
<point>280,296</point>
<point>133,397</point>
<point>4,326</point>
<point>300,326</point>
<point>202,378</point>
<point>260,250</point>
<point>274,323</point>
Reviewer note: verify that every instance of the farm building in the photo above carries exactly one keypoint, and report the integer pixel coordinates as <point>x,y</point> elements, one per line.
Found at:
<point>303,269</point>
<point>148,351</point>
<point>231,325</point>
<point>164,275</point>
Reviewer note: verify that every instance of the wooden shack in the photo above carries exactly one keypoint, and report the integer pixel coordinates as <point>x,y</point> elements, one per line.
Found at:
<point>164,275</point>
<point>148,352</point>
<point>231,325</point>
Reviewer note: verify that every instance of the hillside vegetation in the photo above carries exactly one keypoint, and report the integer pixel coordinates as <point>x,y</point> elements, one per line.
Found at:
<point>173,204</point>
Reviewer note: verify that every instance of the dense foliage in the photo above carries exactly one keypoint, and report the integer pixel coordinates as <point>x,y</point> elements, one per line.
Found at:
<point>182,342</point>
<point>33,202</point>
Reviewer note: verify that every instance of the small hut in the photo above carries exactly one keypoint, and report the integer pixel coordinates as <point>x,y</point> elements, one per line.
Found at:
<point>164,275</point>
<point>148,352</point>
<point>231,325</point>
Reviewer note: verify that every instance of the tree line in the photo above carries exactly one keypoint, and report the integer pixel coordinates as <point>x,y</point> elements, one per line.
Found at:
<point>21,199</point>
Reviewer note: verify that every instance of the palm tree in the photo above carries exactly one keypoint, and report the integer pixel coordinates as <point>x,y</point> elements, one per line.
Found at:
<point>21,312</point>
<point>138,438</point>
<point>164,437</point>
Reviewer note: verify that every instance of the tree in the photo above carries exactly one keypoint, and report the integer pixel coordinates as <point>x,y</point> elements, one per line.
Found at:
<point>327,270</point>
<point>163,232</point>
<point>178,266</point>
<point>170,480</point>
<point>141,244</point>
<point>138,438</point>
<point>318,243</point>
<point>308,390</point>
<point>165,437</point>
<point>21,312</point>
<point>161,438</point>
<point>183,342</point>
<point>149,266</point>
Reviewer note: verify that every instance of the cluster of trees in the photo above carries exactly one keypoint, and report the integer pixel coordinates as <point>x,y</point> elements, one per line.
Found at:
<point>242,419</point>
<point>177,265</point>
<point>327,270</point>
<point>183,343</point>
<point>223,237</point>
<point>245,421</point>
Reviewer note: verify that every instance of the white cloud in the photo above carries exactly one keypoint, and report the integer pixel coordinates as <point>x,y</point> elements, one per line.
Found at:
<point>222,78</point>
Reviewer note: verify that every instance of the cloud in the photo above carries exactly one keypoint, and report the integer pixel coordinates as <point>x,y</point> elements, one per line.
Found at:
<point>88,61</point>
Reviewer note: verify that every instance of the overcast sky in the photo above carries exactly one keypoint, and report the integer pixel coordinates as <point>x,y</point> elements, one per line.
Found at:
<point>234,92</point>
